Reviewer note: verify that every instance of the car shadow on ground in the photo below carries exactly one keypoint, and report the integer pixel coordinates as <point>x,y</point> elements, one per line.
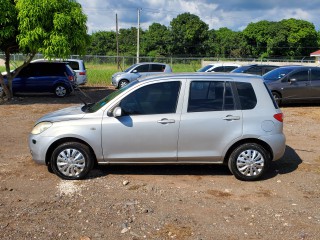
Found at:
<point>88,94</point>
<point>287,164</point>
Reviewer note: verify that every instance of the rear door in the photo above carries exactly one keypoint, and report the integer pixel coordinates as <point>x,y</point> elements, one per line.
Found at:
<point>209,122</point>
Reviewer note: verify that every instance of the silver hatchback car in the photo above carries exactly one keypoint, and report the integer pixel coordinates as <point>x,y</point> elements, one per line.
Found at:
<point>193,118</point>
<point>139,70</point>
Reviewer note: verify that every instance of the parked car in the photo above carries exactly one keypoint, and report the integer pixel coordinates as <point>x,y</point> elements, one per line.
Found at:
<point>294,83</point>
<point>219,67</point>
<point>76,64</point>
<point>138,70</point>
<point>256,69</point>
<point>194,118</point>
<point>41,77</point>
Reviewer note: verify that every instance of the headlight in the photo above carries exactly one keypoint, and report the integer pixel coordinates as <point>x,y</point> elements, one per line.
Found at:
<point>41,127</point>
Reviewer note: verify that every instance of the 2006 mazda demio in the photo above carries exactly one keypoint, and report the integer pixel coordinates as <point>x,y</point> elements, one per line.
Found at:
<point>193,118</point>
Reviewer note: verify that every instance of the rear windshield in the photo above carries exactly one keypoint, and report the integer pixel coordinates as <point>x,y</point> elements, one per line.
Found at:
<point>74,65</point>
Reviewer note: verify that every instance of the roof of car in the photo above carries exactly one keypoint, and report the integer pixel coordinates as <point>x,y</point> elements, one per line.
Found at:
<point>202,76</point>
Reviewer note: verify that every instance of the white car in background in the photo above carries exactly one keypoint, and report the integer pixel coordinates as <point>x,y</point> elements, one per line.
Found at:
<point>219,67</point>
<point>76,64</point>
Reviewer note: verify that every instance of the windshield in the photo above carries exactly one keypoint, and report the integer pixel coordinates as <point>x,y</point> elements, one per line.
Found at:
<point>96,106</point>
<point>131,67</point>
<point>276,74</point>
<point>204,69</point>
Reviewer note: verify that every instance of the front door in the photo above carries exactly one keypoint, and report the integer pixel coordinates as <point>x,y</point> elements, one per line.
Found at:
<point>147,131</point>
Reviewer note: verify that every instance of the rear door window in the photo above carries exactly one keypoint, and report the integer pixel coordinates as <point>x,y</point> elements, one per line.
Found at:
<point>210,96</point>
<point>157,67</point>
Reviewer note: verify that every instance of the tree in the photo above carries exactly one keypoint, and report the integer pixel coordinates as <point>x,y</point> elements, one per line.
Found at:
<point>55,28</point>
<point>103,43</point>
<point>188,34</point>
<point>155,40</point>
<point>301,37</point>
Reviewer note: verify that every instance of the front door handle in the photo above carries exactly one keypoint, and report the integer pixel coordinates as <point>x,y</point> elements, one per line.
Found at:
<point>166,121</point>
<point>230,118</point>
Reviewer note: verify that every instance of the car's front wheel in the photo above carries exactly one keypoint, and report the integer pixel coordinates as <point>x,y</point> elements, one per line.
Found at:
<point>72,161</point>
<point>61,91</point>
<point>249,161</point>
<point>123,83</point>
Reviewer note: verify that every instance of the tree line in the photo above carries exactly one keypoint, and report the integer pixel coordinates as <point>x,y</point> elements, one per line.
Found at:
<point>189,36</point>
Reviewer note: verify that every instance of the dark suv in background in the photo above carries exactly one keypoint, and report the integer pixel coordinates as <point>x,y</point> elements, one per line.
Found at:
<point>294,83</point>
<point>41,77</point>
<point>257,69</point>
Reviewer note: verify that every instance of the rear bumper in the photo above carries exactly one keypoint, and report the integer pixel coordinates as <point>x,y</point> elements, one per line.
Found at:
<point>277,142</point>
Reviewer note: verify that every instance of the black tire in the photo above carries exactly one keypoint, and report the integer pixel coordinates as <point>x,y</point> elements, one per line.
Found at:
<point>123,83</point>
<point>72,161</point>
<point>60,90</point>
<point>249,161</point>
<point>277,97</point>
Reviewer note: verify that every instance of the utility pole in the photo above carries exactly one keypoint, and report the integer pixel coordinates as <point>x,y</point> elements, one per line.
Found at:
<point>138,36</point>
<point>117,39</point>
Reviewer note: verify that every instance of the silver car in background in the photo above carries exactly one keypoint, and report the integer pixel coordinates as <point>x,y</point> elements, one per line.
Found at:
<point>199,118</point>
<point>139,70</point>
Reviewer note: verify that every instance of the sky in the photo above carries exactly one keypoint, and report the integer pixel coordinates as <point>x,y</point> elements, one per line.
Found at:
<point>233,14</point>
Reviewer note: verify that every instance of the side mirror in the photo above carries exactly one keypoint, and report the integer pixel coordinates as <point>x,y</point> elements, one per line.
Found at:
<point>292,80</point>
<point>117,112</point>
<point>135,71</point>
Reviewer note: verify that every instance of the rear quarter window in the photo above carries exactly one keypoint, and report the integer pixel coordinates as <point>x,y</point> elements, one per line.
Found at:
<point>247,96</point>
<point>73,65</point>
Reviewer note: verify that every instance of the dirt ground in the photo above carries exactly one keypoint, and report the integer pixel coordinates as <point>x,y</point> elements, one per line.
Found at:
<point>157,202</point>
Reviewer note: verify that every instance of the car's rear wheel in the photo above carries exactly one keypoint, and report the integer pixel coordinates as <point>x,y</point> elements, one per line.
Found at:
<point>61,91</point>
<point>123,83</point>
<point>72,161</point>
<point>249,161</point>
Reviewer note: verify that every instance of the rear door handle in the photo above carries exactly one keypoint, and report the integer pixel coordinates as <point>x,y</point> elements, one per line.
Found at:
<point>166,121</point>
<point>230,118</point>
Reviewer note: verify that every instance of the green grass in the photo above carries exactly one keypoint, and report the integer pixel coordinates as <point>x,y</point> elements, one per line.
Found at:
<point>100,74</point>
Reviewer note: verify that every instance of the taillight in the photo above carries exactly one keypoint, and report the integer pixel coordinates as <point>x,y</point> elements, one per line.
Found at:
<point>82,73</point>
<point>279,117</point>
<point>70,78</point>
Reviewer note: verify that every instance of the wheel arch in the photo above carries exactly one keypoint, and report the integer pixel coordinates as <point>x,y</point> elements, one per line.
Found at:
<point>55,144</point>
<point>248,140</point>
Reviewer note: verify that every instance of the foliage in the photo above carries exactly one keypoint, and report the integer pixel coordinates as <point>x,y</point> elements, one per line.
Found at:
<point>103,43</point>
<point>155,40</point>
<point>188,33</point>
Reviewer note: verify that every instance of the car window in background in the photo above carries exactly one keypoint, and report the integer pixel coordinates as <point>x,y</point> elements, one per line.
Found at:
<point>131,67</point>
<point>301,76</point>
<point>255,70</point>
<point>205,68</point>
<point>315,74</point>
<point>157,67</point>
<point>155,98</point>
<point>218,69</point>
<point>241,69</point>
<point>229,68</point>
<point>74,65</point>
<point>142,68</point>
<point>276,74</point>
<point>248,99</point>
<point>210,96</point>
